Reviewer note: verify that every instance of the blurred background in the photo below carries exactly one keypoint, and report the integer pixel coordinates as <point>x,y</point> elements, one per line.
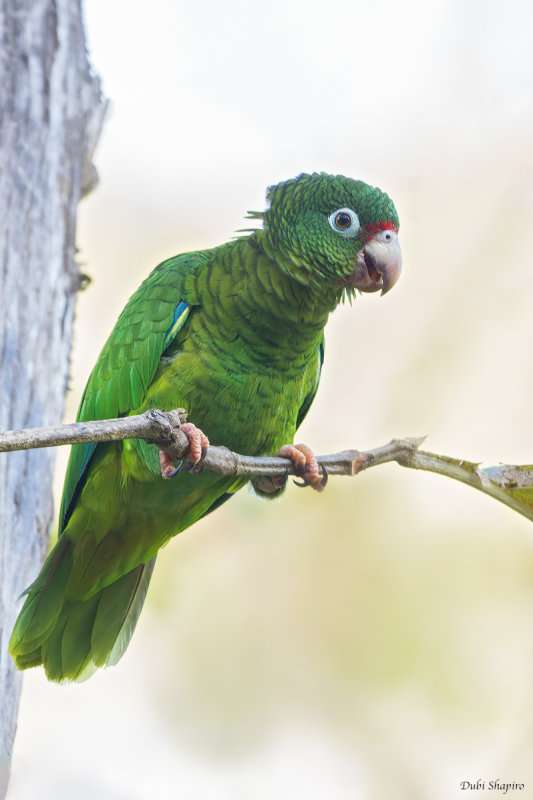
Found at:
<point>375,641</point>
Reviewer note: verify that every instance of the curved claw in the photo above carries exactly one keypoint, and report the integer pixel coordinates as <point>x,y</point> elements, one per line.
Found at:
<point>168,470</point>
<point>198,444</point>
<point>301,484</point>
<point>305,466</point>
<point>320,486</point>
<point>172,473</point>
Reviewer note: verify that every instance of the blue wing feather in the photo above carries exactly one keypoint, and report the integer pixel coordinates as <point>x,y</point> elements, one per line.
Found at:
<point>181,312</point>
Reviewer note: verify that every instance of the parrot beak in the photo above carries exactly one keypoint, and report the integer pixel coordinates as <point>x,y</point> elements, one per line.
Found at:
<point>379,263</point>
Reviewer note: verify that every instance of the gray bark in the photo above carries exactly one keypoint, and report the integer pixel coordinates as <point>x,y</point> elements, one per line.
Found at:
<point>51,112</point>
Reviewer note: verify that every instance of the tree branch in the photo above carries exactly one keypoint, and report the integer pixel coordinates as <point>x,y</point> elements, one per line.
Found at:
<point>511,485</point>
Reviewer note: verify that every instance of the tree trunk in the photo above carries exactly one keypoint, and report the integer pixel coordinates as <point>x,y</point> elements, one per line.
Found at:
<point>51,112</point>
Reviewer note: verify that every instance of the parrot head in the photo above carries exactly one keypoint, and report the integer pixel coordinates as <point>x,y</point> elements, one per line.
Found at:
<point>336,229</point>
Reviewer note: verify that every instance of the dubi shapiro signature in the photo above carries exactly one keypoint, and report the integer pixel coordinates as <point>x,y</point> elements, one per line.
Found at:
<point>497,785</point>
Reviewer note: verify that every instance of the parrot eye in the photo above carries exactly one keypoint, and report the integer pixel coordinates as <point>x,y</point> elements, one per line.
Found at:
<point>345,221</point>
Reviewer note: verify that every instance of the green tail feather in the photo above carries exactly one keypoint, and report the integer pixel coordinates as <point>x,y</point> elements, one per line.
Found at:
<point>44,600</point>
<point>112,631</point>
<point>72,638</point>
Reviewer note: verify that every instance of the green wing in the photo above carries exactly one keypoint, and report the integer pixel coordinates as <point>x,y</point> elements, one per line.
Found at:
<point>151,320</point>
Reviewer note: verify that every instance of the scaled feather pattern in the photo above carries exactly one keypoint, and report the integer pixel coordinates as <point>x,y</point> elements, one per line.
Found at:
<point>235,335</point>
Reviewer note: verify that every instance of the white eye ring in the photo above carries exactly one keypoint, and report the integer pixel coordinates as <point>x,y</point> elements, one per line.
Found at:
<point>345,222</point>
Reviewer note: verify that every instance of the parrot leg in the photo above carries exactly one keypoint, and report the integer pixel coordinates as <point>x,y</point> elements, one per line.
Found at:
<point>305,466</point>
<point>198,444</point>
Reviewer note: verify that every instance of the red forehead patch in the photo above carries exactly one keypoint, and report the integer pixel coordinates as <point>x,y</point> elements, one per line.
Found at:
<point>383,226</point>
<point>371,230</point>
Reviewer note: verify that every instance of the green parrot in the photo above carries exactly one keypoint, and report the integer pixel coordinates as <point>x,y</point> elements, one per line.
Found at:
<point>235,335</point>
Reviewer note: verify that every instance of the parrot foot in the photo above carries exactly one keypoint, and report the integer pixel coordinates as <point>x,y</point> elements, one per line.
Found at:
<point>305,466</point>
<point>168,470</point>
<point>198,444</point>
